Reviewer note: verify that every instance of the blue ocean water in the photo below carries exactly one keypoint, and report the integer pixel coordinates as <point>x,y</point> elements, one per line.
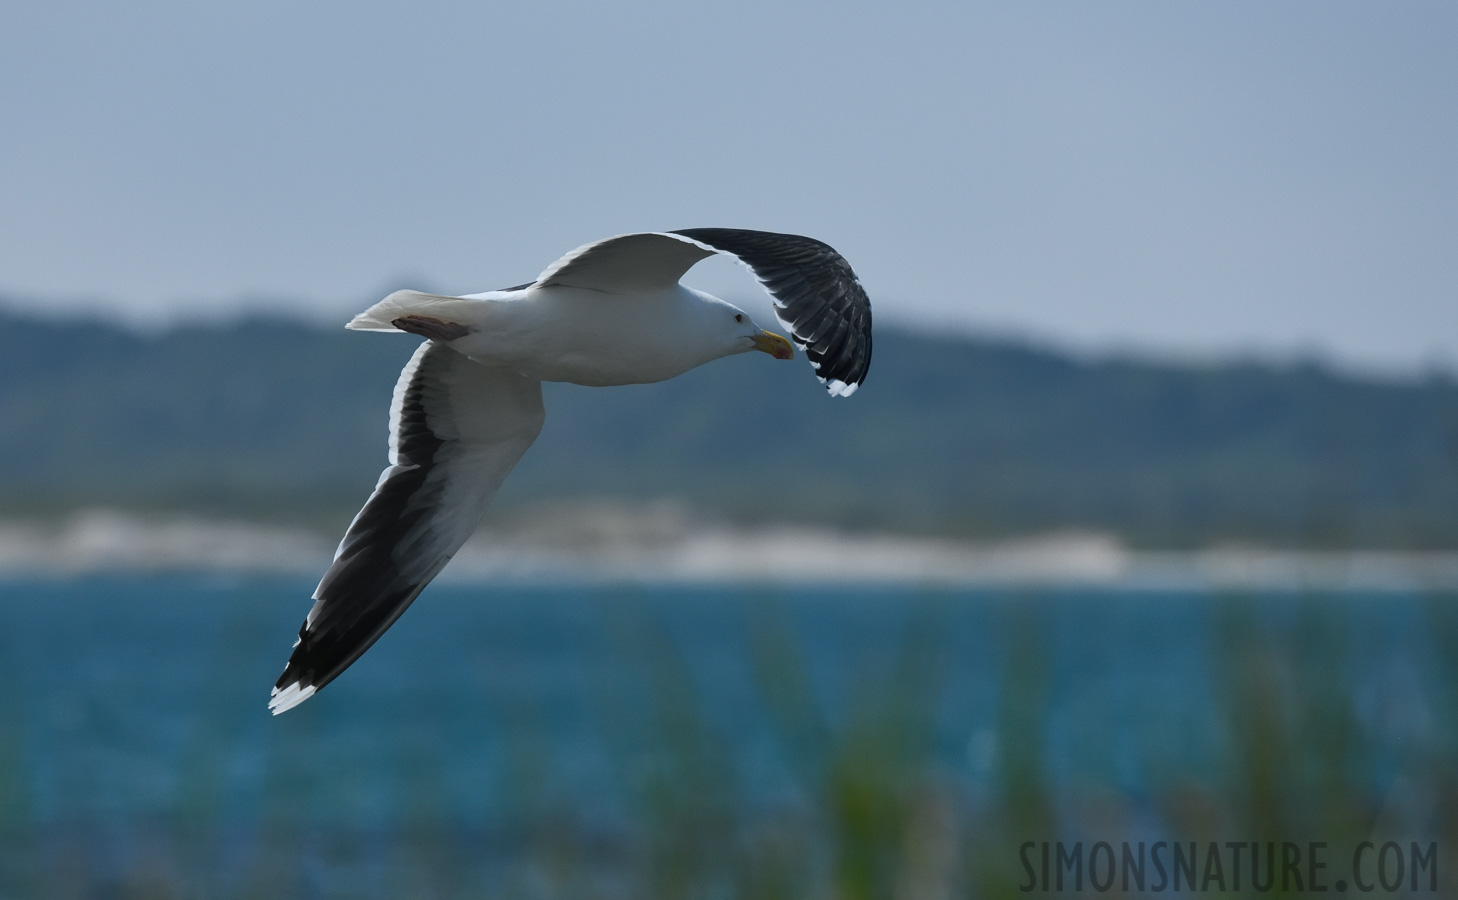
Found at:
<point>126,700</point>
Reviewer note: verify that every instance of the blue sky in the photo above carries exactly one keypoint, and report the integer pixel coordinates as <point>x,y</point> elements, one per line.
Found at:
<point>1178,178</point>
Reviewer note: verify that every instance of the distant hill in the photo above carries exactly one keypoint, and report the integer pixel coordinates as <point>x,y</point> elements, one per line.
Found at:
<point>275,419</point>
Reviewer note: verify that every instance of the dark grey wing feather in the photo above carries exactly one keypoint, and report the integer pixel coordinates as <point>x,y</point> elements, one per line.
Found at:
<point>456,429</point>
<point>817,296</point>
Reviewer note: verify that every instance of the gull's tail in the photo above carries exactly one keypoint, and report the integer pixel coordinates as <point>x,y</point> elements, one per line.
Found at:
<point>408,303</point>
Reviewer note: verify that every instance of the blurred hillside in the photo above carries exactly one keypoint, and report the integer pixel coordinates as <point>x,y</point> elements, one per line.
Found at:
<point>284,421</point>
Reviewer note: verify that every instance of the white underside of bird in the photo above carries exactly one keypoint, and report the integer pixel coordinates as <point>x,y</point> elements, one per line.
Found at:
<point>585,336</point>
<point>469,402</point>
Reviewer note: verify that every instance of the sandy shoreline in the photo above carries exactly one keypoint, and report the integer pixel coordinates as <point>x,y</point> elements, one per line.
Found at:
<point>663,544</point>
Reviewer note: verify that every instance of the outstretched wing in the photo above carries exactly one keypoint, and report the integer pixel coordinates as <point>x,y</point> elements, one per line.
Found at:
<point>817,297</point>
<point>626,264</point>
<point>456,429</point>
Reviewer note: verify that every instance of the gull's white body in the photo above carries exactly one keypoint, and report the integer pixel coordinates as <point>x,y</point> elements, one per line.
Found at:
<point>579,335</point>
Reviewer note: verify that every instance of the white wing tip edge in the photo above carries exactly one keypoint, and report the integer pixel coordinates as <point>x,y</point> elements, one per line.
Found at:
<point>282,701</point>
<point>839,388</point>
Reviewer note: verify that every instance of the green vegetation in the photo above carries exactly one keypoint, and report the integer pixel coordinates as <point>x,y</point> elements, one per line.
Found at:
<point>272,419</point>
<point>873,809</point>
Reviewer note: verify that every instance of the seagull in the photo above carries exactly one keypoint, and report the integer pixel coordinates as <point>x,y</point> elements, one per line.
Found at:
<point>468,404</point>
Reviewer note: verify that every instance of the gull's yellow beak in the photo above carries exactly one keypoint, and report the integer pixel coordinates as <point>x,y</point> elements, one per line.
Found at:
<point>774,345</point>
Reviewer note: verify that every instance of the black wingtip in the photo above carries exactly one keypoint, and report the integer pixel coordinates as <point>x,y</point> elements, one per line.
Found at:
<point>817,296</point>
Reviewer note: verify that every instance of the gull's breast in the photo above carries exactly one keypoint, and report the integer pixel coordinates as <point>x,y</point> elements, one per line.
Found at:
<point>587,337</point>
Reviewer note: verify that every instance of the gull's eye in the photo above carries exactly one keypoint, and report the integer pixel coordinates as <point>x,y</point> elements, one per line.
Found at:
<point>739,317</point>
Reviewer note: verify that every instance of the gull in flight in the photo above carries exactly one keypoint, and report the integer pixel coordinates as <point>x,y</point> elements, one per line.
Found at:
<point>469,402</point>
